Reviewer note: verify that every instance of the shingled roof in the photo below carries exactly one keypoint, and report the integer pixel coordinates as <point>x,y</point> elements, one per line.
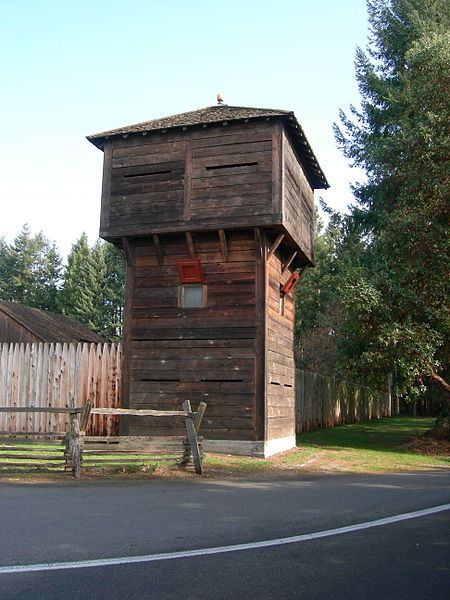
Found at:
<point>224,113</point>
<point>47,326</point>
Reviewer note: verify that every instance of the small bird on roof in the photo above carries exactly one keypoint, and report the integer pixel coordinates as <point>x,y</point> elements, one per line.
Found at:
<point>219,98</point>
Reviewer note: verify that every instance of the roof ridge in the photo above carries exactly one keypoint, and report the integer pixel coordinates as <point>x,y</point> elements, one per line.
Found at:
<point>37,320</point>
<point>142,124</point>
<point>10,313</point>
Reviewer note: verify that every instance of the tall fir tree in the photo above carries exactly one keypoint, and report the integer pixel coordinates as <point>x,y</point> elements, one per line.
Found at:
<point>395,298</point>
<point>81,293</point>
<point>112,289</point>
<point>30,270</point>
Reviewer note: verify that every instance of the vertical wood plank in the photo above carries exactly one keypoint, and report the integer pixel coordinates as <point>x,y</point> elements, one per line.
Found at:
<point>104,214</point>
<point>187,182</point>
<point>192,437</point>
<point>126,347</point>
<point>277,166</point>
<point>261,280</point>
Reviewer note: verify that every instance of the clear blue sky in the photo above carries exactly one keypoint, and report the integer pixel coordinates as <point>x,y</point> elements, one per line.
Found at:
<point>70,69</point>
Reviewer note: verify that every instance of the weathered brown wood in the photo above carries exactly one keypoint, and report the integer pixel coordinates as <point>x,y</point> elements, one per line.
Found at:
<point>199,415</point>
<point>288,262</point>
<point>277,169</point>
<point>104,218</point>
<point>202,181</point>
<point>29,456</point>
<point>190,244</point>
<point>138,412</point>
<point>40,409</point>
<point>188,182</point>
<point>74,443</point>
<point>157,244</point>
<point>275,244</point>
<point>192,437</point>
<point>223,244</point>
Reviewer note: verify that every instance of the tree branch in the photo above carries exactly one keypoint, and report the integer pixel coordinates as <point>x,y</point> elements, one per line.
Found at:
<point>439,380</point>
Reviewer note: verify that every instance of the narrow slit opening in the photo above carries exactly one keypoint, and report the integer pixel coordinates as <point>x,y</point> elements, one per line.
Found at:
<point>158,379</point>
<point>287,385</point>
<point>206,379</point>
<point>146,174</point>
<point>233,166</point>
<point>274,383</point>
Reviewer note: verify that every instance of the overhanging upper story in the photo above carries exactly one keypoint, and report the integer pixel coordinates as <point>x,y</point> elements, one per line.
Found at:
<point>221,167</point>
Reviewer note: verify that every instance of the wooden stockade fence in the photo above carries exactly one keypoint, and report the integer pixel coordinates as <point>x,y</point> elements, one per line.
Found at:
<point>47,375</point>
<point>323,402</point>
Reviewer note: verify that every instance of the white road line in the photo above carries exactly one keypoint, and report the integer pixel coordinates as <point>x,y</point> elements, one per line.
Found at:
<point>126,560</point>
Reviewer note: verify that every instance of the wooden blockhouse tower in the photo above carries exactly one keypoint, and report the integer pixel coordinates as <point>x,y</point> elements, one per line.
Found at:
<point>214,211</point>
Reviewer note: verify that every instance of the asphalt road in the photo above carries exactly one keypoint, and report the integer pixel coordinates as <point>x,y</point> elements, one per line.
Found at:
<point>78,521</point>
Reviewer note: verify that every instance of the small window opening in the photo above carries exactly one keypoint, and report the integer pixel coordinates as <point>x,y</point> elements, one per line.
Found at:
<point>192,295</point>
<point>281,305</point>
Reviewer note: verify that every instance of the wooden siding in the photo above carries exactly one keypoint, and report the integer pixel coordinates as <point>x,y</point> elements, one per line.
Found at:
<point>298,202</point>
<point>48,375</point>
<point>204,179</point>
<point>12,331</point>
<point>280,367</point>
<point>205,353</point>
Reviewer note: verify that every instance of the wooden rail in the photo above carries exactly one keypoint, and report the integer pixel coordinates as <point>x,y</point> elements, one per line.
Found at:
<point>75,439</point>
<point>24,451</point>
<point>192,421</point>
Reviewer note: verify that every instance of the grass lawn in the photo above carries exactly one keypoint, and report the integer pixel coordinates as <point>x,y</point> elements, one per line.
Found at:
<point>369,447</point>
<point>372,446</point>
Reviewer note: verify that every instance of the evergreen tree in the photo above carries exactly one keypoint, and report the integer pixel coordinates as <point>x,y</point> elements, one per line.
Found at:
<point>394,298</point>
<point>112,286</point>
<point>30,271</point>
<point>3,268</point>
<point>317,314</point>
<point>93,287</point>
<point>81,293</point>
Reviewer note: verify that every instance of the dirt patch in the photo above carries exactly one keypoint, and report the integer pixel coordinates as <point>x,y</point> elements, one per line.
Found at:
<point>428,445</point>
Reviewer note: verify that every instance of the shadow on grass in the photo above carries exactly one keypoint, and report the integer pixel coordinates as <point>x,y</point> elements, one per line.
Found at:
<point>384,435</point>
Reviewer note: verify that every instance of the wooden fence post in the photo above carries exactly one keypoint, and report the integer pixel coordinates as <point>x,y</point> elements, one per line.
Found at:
<point>85,415</point>
<point>199,415</point>
<point>192,436</point>
<point>74,444</point>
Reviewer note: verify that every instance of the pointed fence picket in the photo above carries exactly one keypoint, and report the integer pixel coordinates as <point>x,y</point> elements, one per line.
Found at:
<point>48,375</point>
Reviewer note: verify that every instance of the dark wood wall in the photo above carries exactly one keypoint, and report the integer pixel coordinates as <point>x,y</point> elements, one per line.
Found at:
<point>298,202</point>
<point>12,331</point>
<point>280,367</point>
<point>198,180</point>
<point>236,352</point>
<point>219,176</point>
<point>193,353</point>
